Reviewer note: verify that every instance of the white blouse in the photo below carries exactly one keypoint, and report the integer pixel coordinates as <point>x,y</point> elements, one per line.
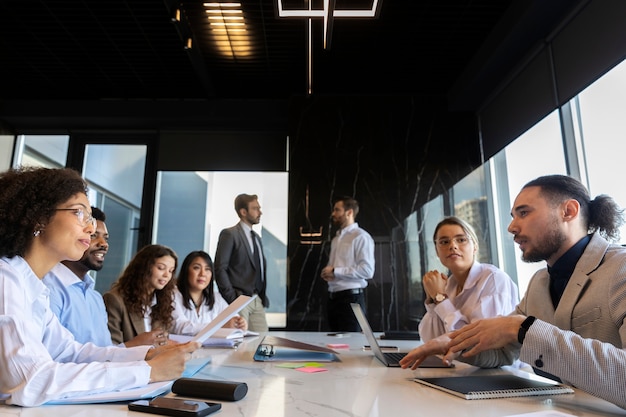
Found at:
<point>41,361</point>
<point>191,321</point>
<point>488,292</point>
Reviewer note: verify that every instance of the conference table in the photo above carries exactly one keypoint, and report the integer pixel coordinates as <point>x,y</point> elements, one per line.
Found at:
<point>359,385</point>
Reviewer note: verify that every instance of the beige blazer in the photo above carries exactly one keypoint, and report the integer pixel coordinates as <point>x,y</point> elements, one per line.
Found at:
<point>583,341</point>
<point>123,324</point>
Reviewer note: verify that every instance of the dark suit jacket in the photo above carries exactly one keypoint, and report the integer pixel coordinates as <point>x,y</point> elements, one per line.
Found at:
<point>234,265</point>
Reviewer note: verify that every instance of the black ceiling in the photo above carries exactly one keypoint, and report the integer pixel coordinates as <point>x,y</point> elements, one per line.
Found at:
<point>132,50</point>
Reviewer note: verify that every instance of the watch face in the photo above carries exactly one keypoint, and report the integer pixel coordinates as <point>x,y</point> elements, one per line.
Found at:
<point>440,297</point>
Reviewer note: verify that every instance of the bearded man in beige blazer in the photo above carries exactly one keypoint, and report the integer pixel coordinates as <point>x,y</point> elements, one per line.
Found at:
<point>570,325</point>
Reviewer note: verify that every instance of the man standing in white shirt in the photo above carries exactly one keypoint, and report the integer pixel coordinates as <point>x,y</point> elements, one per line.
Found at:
<point>350,265</point>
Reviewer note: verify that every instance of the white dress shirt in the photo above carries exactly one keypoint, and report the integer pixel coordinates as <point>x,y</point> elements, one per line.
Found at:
<point>487,292</point>
<point>191,321</point>
<point>40,359</point>
<point>352,257</point>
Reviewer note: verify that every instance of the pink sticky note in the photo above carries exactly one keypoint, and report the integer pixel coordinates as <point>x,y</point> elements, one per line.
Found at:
<point>338,345</point>
<point>311,369</point>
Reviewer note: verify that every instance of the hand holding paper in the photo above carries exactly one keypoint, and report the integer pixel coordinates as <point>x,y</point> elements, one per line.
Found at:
<point>170,362</point>
<point>222,318</point>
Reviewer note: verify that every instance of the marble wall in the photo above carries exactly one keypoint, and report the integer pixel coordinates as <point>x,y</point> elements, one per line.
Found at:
<point>393,154</point>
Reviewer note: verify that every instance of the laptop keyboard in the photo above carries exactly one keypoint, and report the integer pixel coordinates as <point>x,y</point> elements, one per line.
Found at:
<point>394,357</point>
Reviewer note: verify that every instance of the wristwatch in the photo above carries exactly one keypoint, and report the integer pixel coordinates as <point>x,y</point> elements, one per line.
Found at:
<point>440,297</point>
<point>523,328</point>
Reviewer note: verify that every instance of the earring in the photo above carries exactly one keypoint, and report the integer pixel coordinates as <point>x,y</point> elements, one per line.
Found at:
<point>36,233</point>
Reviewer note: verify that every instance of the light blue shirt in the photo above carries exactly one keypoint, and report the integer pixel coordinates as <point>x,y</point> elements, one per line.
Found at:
<point>79,307</point>
<point>352,257</point>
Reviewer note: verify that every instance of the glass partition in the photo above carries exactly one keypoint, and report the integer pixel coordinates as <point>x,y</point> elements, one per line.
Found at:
<point>192,208</point>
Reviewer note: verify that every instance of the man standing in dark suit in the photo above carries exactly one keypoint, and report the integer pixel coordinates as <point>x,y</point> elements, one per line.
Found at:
<point>240,265</point>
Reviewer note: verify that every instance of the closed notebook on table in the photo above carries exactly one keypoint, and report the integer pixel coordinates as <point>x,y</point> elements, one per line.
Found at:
<point>279,349</point>
<point>480,387</point>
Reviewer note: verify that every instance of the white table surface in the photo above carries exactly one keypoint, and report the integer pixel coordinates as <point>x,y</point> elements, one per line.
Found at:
<point>359,385</point>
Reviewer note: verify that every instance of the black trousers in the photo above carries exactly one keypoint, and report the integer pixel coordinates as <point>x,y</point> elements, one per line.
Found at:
<point>340,315</point>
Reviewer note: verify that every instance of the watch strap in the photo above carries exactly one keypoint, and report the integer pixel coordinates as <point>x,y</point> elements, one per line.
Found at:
<point>523,328</point>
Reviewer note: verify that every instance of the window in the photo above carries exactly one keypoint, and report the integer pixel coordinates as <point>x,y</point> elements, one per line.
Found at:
<point>470,204</point>
<point>41,150</point>
<point>537,152</point>
<point>602,108</point>
<point>432,213</point>
<point>194,207</point>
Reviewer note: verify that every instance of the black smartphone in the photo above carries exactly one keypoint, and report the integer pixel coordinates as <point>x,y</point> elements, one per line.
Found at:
<point>176,407</point>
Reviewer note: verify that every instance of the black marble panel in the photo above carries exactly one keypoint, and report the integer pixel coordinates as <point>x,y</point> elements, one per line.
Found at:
<point>392,154</point>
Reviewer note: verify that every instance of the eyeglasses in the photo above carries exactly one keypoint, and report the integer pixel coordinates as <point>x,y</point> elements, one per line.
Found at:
<point>459,240</point>
<point>83,218</point>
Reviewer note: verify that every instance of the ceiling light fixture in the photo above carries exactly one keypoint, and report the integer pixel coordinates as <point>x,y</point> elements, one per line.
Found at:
<point>228,29</point>
<point>328,13</point>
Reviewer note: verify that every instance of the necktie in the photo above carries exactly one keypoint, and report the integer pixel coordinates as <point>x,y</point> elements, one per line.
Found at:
<point>256,255</point>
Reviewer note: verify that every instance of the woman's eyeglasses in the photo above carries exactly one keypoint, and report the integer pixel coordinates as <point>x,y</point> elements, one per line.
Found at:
<point>83,218</point>
<point>459,240</point>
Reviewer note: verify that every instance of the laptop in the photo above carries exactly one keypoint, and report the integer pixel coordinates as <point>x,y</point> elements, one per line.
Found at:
<point>390,359</point>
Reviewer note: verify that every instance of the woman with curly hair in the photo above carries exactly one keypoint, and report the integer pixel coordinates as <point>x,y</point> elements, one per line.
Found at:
<point>45,218</point>
<point>196,302</point>
<point>141,299</point>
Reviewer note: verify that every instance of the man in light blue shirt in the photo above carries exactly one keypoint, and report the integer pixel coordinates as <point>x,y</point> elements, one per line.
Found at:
<point>73,298</point>
<point>77,304</point>
<point>350,265</point>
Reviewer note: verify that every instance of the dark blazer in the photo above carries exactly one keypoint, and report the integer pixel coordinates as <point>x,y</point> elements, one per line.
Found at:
<point>235,271</point>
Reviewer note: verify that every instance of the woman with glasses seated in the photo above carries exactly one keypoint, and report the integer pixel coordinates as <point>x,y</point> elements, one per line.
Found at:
<point>470,290</point>
<point>45,218</point>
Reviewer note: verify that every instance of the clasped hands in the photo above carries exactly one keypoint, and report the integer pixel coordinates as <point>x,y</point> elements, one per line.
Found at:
<point>476,337</point>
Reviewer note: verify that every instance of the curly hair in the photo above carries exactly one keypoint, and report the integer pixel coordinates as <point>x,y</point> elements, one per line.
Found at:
<point>135,287</point>
<point>183,279</point>
<point>27,202</point>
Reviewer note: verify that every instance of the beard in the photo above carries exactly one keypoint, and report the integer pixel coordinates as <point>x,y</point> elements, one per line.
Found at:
<point>550,244</point>
<point>92,266</point>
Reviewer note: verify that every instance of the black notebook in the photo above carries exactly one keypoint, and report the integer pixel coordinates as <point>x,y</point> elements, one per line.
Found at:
<point>482,387</point>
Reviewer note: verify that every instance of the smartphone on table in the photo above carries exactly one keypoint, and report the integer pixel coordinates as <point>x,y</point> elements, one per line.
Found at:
<point>176,407</point>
